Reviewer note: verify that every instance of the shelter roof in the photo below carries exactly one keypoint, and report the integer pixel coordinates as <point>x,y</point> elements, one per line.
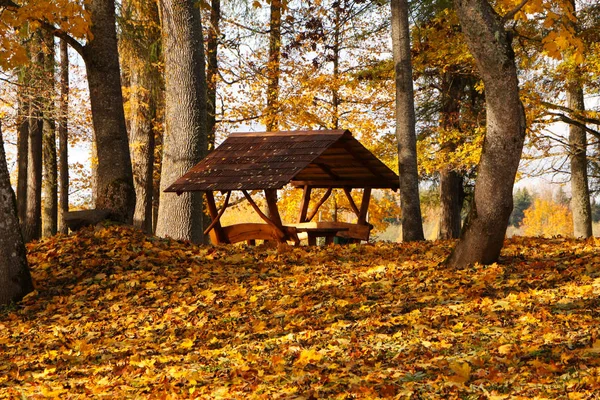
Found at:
<point>270,160</point>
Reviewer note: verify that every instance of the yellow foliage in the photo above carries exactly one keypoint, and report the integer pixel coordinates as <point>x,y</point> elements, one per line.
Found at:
<point>547,218</point>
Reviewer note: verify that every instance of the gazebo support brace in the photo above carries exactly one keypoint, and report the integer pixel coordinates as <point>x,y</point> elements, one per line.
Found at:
<point>364,206</point>
<point>219,235</point>
<point>353,205</point>
<point>304,204</point>
<point>319,204</point>
<point>215,220</point>
<point>278,230</point>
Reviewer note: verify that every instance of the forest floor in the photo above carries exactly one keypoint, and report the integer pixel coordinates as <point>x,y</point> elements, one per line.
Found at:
<point>118,314</point>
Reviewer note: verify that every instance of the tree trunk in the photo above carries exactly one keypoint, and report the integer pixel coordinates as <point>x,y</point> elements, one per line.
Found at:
<point>50,174</point>
<point>180,217</point>
<point>63,138</point>
<point>451,182</point>
<point>15,280</point>
<point>33,218</point>
<point>212,70</point>
<point>274,70</point>
<point>451,201</point>
<point>114,186</point>
<point>580,194</point>
<point>412,222</point>
<point>483,235</point>
<point>141,143</point>
<point>22,153</point>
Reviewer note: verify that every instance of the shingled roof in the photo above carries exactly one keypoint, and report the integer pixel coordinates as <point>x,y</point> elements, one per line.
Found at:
<point>270,160</point>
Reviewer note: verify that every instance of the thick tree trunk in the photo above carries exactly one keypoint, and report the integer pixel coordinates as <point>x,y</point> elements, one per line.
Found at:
<point>451,182</point>
<point>50,175</point>
<point>412,222</point>
<point>180,217</point>
<point>63,138</point>
<point>488,41</point>
<point>141,143</point>
<point>580,194</point>
<point>15,280</point>
<point>114,186</point>
<point>272,122</point>
<point>451,202</point>
<point>22,155</point>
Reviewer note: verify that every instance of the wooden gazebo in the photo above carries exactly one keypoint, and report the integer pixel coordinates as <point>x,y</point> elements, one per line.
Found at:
<point>268,161</point>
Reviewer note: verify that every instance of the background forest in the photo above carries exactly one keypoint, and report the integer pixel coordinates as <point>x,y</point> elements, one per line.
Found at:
<point>286,66</point>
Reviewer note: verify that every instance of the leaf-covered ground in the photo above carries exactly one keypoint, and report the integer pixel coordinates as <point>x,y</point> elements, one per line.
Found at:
<point>118,314</point>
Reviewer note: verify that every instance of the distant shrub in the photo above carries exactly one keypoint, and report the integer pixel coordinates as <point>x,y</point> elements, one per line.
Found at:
<point>547,218</point>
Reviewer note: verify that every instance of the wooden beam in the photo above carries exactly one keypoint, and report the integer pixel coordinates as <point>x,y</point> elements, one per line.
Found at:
<point>271,197</point>
<point>359,159</point>
<point>304,204</point>
<point>279,231</point>
<point>325,168</point>
<point>216,219</point>
<point>364,206</point>
<point>356,184</point>
<point>319,204</point>
<point>351,201</point>
<point>212,210</point>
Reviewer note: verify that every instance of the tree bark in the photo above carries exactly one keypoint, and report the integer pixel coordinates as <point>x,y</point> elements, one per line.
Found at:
<point>451,182</point>
<point>274,67</point>
<point>412,222</point>
<point>22,152</point>
<point>180,217</point>
<point>33,217</point>
<point>15,279</point>
<point>63,137</point>
<point>141,143</point>
<point>580,194</point>
<point>483,235</point>
<point>114,186</point>
<point>50,173</point>
<point>212,70</point>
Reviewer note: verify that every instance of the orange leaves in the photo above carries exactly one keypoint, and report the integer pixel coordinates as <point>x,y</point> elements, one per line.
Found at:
<point>370,321</point>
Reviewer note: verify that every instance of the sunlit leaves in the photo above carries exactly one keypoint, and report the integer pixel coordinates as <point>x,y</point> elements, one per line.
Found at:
<point>123,315</point>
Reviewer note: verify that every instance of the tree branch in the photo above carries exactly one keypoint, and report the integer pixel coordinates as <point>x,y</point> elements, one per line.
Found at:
<point>59,33</point>
<point>508,16</point>
<point>582,119</point>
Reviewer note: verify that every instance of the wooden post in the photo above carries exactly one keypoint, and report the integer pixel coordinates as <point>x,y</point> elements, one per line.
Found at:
<point>219,236</point>
<point>304,204</point>
<point>277,227</point>
<point>364,206</point>
<point>271,197</point>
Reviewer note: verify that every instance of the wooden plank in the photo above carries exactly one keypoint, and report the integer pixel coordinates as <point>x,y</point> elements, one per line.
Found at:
<point>364,206</point>
<point>256,231</point>
<point>373,183</point>
<point>304,204</point>
<point>338,132</point>
<point>354,231</point>
<point>319,204</point>
<point>218,237</point>
<point>271,197</point>
<point>216,219</point>
<point>351,201</point>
